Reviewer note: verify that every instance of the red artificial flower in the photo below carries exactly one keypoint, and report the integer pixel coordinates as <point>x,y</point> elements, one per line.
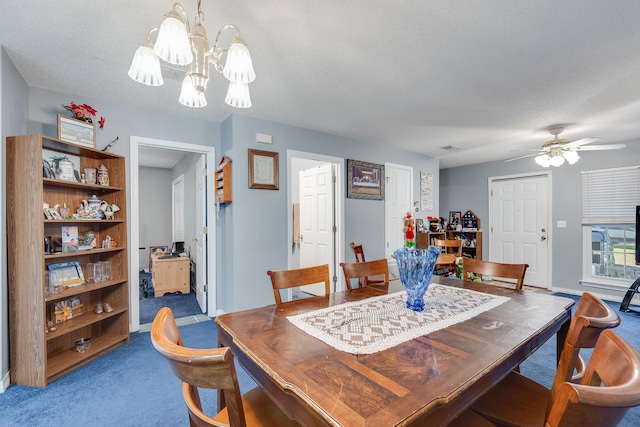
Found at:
<point>84,112</point>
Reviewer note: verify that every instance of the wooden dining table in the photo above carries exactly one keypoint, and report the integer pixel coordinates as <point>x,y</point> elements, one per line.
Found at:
<point>425,381</point>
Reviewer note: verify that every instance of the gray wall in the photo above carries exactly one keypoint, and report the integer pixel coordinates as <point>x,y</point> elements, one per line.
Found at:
<point>13,121</point>
<point>155,210</point>
<point>466,187</point>
<point>257,235</point>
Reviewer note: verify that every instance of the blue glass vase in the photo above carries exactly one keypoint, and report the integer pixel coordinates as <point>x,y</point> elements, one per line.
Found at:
<point>416,268</point>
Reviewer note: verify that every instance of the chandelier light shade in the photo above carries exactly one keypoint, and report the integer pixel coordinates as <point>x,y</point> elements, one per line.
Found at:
<point>180,44</point>
<point>145,67</point>
<point>172,44</point>
<point>239,68</point>
<point>543,160</point>
<point>571,157</point>
<point>556,157</point>
<point>189,96</point>
<point>238,95</point>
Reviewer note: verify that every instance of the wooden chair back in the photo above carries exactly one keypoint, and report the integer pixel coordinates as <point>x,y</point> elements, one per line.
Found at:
<point>198,368</point>
<point>284,279</point>
<point>364,270</point>
<point>357,252</point>
<point>450,251</point>
<point>213,369</point>
<point>592,316</point>
<point>610,386</point>
<point>495,269</point>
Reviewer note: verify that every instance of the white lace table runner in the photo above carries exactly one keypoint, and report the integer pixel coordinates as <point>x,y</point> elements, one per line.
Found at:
<point>378,323</point>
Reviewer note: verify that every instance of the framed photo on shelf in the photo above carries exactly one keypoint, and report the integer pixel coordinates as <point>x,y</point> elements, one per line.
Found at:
<point>76,132</point>
<point>365,180</point>
<point>51,167</point>
<point>455,217</point>
<point>263,169</point>
<point>68,274</point>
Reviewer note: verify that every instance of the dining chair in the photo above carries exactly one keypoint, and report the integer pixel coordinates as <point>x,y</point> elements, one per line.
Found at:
<point>591,318</point>
<point>363,271</point>
<point>212,368</point>
<point>451,251</point>
<point>285,279</point>
<point>357,252</point>
<point>494,269</point>
<point>610,386</point>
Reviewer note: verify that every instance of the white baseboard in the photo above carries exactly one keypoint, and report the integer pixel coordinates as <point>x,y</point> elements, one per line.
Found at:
<point>6,382</point>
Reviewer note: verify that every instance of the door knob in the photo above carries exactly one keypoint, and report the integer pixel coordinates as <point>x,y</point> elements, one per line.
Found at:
<point>543,238</point>
<point>300,237</point>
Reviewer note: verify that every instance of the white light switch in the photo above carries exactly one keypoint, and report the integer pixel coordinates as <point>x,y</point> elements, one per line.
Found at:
<point>562,224</point>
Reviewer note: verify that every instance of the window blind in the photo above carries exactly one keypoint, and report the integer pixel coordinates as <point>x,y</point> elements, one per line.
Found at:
<point>610,196</point>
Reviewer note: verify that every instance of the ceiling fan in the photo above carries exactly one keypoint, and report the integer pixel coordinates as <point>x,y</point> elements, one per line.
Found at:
<point>556,151</point>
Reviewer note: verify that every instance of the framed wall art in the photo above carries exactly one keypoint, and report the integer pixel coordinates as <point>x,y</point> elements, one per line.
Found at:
<point>76,132</point>
<point>263,169</point>
<point>365,180</point>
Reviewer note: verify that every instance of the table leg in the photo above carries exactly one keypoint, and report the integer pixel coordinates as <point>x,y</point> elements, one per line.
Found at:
<point>561,336</point>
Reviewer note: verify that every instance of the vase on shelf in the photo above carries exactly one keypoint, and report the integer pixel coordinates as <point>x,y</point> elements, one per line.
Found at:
<point>416,268</point>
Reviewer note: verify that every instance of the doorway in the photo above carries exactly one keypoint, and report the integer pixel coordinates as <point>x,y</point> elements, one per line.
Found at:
<point>520,219</point>
<point>298,161</point>
<point>137,143</point>
<point>397,202</point>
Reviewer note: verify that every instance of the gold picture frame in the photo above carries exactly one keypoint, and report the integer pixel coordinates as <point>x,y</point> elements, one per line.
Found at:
<point>76,132</point>
<point>263,169</point>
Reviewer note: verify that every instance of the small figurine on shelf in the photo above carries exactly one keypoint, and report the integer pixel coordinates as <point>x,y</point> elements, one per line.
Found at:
<point>434,223</point>
<point>409,231</point>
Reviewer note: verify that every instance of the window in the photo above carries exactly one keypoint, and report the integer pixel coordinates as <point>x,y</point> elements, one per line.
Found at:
<point>609,198</point>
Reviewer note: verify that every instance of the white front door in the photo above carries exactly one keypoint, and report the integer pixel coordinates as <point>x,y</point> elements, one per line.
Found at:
<point>201,232</point>
<point>397,202</point>
<point>520,225</point>
<point>317,220</point>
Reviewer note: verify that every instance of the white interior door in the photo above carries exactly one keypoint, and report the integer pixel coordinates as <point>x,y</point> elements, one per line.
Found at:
<point>317,220</point>
<point>201,232</point>
<point>520,225</point>
<point>177,193</point>
<point>397,202</point>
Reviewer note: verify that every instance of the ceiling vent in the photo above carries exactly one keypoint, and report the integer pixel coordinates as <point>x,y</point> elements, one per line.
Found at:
<point>173,73</point>
<point>451,148</point>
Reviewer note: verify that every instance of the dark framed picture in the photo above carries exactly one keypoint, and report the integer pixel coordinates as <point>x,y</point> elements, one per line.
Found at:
<point>365,180</point>
<point>263,169</point>
<point>76,132</point>
<point>455,217</point>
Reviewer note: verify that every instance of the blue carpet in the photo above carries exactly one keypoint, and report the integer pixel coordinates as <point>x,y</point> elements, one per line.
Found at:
<point>129,386</point>
<point>181,305</point>
<point>133,386</point>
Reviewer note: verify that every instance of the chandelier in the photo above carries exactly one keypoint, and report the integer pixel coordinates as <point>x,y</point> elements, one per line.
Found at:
<point>179,44</point>
<point>557,156</point>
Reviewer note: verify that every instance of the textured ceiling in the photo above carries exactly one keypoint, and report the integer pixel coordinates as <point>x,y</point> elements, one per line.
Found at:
<point>486,76</point>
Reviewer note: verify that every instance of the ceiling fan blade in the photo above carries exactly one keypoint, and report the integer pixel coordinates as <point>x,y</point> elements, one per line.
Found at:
<point>525,156</point>
<point>601,147</point>
<point>579,142</point>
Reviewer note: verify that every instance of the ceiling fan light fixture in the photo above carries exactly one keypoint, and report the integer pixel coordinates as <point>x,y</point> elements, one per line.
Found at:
<point>556,161</point>
<point>543,160</point>
<point>571,156</point>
